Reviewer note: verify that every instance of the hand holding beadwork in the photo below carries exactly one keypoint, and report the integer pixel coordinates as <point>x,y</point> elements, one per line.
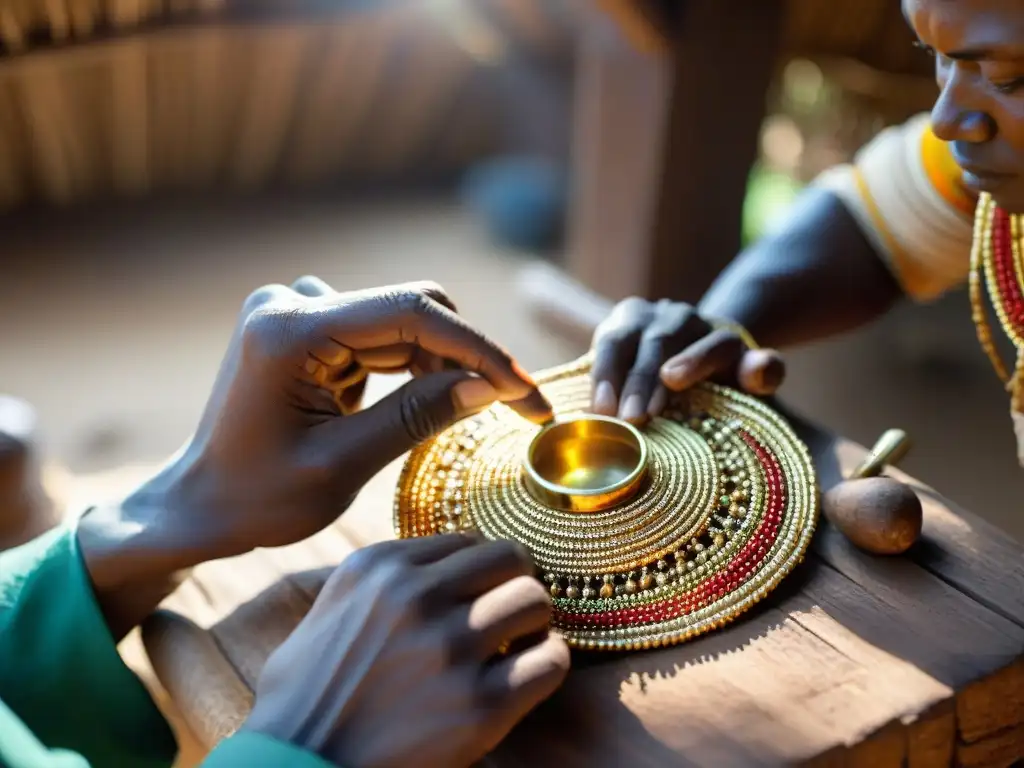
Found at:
<point>646,349</point>
<point>283,447</point>
<point>398,662</point>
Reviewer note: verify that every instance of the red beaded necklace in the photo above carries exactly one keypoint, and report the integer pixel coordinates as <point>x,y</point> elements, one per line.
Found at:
<point>997,259</point>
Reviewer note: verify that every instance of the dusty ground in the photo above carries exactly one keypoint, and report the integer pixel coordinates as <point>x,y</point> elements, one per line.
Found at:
<point>113,326</point>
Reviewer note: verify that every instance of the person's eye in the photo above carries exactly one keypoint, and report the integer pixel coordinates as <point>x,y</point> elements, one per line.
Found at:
<point>926,48</point>
<point>1008,86</point>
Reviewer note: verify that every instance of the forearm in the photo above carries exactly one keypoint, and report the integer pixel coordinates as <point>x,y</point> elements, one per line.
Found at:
<point>136,553</point>
<point>816,277</point>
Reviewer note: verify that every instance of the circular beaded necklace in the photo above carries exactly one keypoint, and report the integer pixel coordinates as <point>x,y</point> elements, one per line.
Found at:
<point>728,510</point>
<point>997,265</point>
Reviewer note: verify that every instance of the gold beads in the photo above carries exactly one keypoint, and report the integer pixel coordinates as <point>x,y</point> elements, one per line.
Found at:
<point>981,264</point>
<point>704,505</point>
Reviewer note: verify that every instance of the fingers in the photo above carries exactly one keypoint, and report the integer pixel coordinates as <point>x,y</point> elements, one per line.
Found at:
<point>674,327</point>
<point>761,372</point>
<point>399,556</point>
<point>724,353</point>
<point>424,363</point>
<point>518,609</point>
<point>629,349</point>
<point>423,550</point>
<point>361,444</point>
<point>387,329</point>
<point>645,349</point>
<point>428,288</point>
<point>436,292</point>
<point>717,352</point>
<point>403,357</point>
<point>534,407</point>
<point>401,316</point>
<point>312,286</point>
<point>614,346</point>
<point>521,681</point>
<point>471,572</point>
<point>383,359</point>
<point>393,359</point>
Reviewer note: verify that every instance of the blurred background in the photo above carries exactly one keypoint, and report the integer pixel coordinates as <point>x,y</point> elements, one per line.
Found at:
<point>159,159</point>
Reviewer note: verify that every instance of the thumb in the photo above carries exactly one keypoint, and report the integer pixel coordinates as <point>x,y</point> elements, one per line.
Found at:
<point>761,371</point>
<point>364,442</point>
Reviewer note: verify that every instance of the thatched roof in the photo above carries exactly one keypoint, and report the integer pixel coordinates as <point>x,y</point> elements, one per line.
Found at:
<point>256,91</point>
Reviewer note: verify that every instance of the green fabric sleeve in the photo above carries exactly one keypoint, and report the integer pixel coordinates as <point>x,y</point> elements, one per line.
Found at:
<point>253,750</point>
<point>19,748</point>
<point>60,671</point>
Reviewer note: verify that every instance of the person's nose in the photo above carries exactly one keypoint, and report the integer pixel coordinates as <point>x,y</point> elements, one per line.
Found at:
<point>954,117</point>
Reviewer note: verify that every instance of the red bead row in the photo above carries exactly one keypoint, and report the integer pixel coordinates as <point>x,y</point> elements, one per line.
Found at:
<point>1006,271</point>
<point>715,586</point>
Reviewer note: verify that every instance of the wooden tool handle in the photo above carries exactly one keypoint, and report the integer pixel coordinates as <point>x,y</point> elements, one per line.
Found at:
<point>890,448</point>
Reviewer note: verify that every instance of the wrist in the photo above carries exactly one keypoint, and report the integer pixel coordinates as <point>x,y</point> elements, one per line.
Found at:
<point>731,305</point>
<point>136,552</point>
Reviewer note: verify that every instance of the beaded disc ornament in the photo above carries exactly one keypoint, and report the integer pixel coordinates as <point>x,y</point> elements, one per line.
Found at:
<point>726,512</point>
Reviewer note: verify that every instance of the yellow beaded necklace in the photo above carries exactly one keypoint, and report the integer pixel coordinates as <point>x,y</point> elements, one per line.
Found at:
<point>997,261</point>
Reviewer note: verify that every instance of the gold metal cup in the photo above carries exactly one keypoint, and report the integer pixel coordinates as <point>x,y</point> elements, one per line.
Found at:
<point>585,463</point>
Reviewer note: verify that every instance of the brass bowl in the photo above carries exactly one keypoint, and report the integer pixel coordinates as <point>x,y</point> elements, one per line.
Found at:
<point>585,463</point>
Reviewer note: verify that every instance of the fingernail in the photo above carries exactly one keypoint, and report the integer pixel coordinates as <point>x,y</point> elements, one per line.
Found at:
<point>605,401</point>
<point>676,373</point>
<point>772,376</point>
<point>760,372</point>
<point>633,408</point>
<point>519,371</point>
<point>658,402</point>
<point>473,395</point>
<point>534,407</point>
<point>758,377</point>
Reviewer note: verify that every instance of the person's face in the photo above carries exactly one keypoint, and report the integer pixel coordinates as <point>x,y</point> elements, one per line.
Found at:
<point>979,65</point>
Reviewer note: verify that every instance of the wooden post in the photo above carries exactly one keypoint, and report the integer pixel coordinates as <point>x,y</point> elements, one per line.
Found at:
<point>664,145</point>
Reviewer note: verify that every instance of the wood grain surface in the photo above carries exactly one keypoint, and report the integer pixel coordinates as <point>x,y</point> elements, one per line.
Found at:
<point>855,660</point>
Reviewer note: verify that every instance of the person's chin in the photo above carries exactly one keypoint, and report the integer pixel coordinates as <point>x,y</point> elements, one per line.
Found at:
<point>1006,191</point>
<point>1010,201</point>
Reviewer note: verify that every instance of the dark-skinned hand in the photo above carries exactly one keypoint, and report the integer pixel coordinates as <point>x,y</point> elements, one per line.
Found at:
<point>283,445</point>
<point>646,349</point>
<point>398,663</point>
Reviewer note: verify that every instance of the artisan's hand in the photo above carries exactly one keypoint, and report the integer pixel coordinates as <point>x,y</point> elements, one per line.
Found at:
<point>645,349</point>
<point>398,661</point>
<point>283,447</point>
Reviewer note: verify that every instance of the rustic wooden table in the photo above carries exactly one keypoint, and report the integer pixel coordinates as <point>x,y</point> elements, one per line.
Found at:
<point>856,660</point>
